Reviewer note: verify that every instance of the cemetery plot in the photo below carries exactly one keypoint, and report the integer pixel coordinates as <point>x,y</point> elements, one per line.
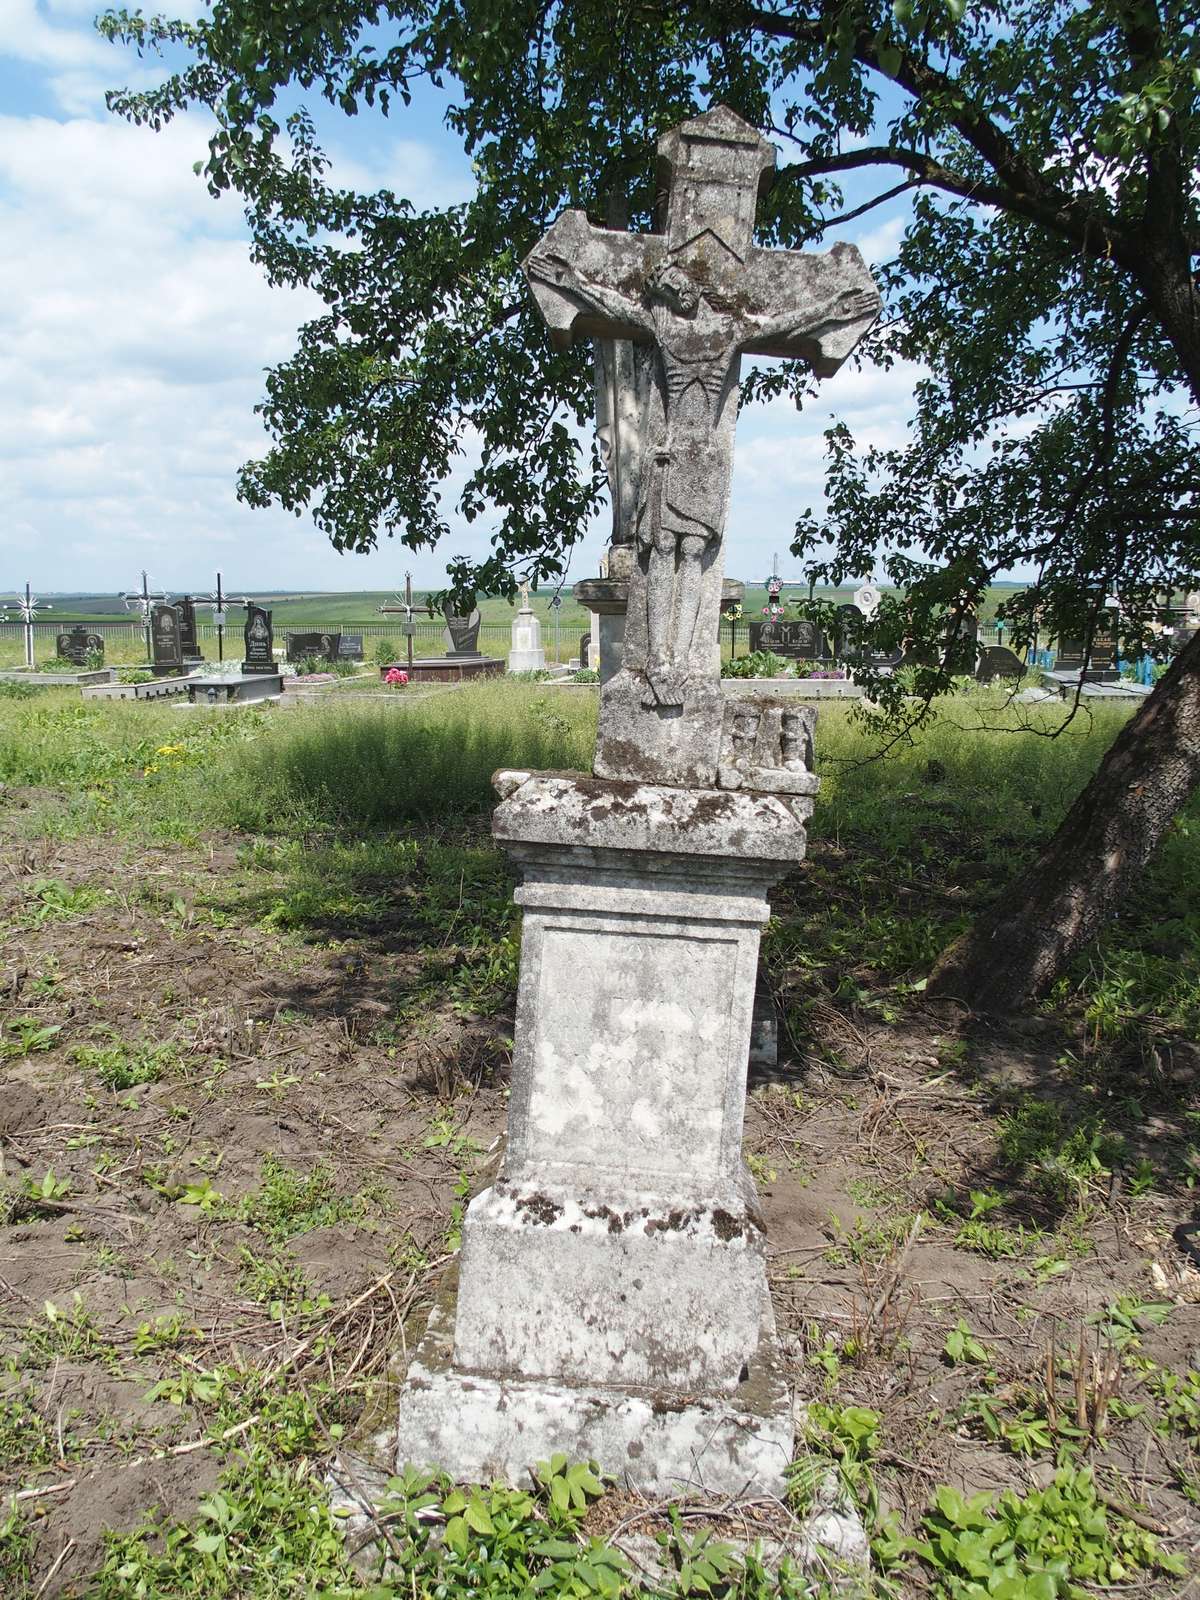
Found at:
<point>250,1079</point>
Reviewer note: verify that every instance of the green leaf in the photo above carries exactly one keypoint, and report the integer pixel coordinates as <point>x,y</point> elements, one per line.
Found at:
<point>478,1518</point>
<point>457,1537</point>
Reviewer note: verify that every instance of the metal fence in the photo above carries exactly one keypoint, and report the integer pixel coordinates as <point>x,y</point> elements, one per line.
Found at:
<point>494,639</point>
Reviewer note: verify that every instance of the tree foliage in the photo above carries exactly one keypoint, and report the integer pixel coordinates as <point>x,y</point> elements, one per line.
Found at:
<point>1044,283</point>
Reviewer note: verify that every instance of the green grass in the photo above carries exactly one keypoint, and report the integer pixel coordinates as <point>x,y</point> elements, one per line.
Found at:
<point>363,823</point>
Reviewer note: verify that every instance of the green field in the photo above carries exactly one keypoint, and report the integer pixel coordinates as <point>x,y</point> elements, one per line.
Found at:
<point>260,967</point>
<point>291,610</point>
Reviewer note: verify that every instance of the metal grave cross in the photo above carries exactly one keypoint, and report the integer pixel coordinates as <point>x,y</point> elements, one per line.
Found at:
<point>702,296</point>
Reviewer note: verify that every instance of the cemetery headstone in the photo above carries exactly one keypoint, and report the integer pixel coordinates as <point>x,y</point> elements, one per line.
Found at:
<point>526,654</point>
<point>462,633</point>
<point>612,1300</point>
<point>166,640</point>
<point>350,647</point>
<point>1102,657</point>
<point>258,640</point>
<point>307,646</point>
<point>998,661</point>
<point>585,650</point>
<point>793,637</point>
<point>187,629</point>
<point>78,644</point>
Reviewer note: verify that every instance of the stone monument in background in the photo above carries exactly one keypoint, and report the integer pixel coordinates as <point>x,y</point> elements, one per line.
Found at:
<point>527,654</point>
<point>166,641</point>
<point>258,640</point>
<point>192,654</point>
<point>612,1300</point>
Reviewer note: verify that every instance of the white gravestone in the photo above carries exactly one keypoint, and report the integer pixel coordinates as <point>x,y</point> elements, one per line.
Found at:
<point>612,1298</point>
<point>526,654</point>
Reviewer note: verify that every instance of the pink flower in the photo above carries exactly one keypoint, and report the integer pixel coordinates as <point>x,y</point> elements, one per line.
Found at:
<point>396,676</point>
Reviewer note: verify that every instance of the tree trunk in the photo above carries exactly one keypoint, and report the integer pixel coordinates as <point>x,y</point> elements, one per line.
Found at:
<point>1022,944</point>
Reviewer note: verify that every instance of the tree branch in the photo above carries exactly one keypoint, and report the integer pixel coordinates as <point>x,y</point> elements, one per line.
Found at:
<point>1021,191</point>
<point>869,205</point>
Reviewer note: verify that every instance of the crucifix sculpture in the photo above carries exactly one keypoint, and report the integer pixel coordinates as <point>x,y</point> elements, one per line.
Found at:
<point>701,296</point>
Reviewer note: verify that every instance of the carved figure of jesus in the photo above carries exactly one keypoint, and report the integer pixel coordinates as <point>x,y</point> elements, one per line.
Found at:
<point>699,336</point>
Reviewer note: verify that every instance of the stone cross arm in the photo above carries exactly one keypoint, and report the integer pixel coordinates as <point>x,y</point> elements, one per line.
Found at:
<point>591,282</point>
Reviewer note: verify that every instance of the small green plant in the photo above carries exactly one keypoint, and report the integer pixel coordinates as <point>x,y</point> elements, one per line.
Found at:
<point>134,675</point>
<point>71,1334</point>
<point>289,1203</point>
<point>758,664</point>
<point>48,1187</point>
<point>16,1552</point>
<point>704,1565</point>
<point>1032,1547</point>
<point>120,1066</point>
<point>22,1036</point>
<point>52,901</point>
<point>1178,1397</point>
<point>569,1488</point>
<point>585,675</point>
<point>962,1346</point>
<point>1127,1318</point>
<point>385,653</point>
<point>842,1440</point>
<point>1066,1153</point>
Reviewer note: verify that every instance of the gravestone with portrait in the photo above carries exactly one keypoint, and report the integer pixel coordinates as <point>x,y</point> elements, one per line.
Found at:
<point>793,637</point>
<point>79,646</point>
<point>312,646</point>
<point>612,1298</point>
<point>258,641</point>
<point>166,640</point>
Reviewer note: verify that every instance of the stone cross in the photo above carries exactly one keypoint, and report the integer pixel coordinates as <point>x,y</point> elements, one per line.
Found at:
<point>701,296</point>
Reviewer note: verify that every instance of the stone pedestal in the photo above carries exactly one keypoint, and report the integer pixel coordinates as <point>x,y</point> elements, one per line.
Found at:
<point>526,654</point>
<point>613,1296</point>
<point>607,599</point>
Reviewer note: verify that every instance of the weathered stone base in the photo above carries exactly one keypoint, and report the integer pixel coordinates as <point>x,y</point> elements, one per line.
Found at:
<point>448,668</point>
<point>156,689</point>
<point>579,1284</point>
<point>218,691</point>
<point>480,1429</point>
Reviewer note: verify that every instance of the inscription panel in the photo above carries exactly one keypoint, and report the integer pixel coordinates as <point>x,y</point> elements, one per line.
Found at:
<point>632,1053</point>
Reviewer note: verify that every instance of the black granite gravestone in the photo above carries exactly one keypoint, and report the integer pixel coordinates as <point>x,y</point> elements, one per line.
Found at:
<point>795,638</point>
<point>1102,664</point>
<point>305,646</point>
<point>585,650</point>
<point>192,653</point>
<point>998,661</point>
<point>854,644</point>
<point>166,641</point>
<point>259,640</point>
<point>77,645</point>
<point>350,647</point>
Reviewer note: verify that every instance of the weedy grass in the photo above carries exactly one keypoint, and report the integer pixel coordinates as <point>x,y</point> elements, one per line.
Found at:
<point>360,824</point>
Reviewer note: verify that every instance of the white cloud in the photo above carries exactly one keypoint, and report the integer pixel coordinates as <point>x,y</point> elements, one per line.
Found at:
<point>134,332</point>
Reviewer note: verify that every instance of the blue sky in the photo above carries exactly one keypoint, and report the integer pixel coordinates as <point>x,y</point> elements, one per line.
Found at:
<point>135,331</point>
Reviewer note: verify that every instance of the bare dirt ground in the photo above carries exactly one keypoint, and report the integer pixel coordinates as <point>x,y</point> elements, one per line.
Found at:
<point>295,1164</point>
